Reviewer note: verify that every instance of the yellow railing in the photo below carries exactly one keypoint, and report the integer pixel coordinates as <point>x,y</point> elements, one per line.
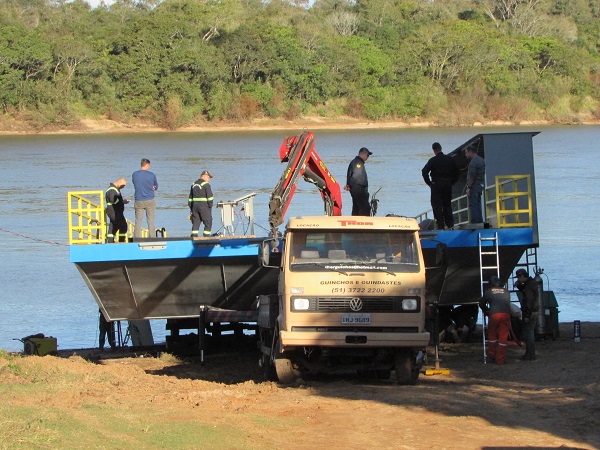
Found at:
<point>513,203</point>
<point>87,222</point>
<point>508,203</point>
<point>87,219</point>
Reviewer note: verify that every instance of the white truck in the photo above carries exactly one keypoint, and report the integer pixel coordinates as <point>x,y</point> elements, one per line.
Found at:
<point>351,295</point>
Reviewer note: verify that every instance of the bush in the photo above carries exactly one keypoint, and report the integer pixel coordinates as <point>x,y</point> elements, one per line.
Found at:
<point>513,109</point>
<point>462,110</point>
<point>354,107</point>
<point>172,113</point>
<point>220,101</point>
<point>246,107</point>
<point>560,111</point>
<point>293,111</point>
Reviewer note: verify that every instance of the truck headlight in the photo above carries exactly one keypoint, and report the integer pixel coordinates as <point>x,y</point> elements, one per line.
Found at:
<point>409,304</point>
<point>301,304</point>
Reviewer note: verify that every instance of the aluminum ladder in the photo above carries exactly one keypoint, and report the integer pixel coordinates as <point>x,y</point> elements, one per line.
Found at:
<point>489,264</point>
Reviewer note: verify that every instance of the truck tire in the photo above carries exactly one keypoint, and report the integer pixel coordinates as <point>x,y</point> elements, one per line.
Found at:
<point>384,374</point>
<point>268,369</point>
<point>407,372</point>
<point>286,373</point>
<point>29,347</point>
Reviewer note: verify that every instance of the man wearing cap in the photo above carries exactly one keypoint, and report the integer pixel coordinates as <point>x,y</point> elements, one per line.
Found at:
<point>200,202</point>
<point>440,173</point>
<point>358,185</point>
<point>529,308</point>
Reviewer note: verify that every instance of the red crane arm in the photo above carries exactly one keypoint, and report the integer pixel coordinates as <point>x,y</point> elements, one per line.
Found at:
<point>303,160</point>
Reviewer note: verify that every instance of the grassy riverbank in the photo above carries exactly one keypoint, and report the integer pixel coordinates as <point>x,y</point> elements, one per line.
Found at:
<point>103,126</point>
<point>128,400</point>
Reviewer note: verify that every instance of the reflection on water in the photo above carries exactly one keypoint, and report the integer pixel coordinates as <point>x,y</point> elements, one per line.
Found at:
<point>43,292</point>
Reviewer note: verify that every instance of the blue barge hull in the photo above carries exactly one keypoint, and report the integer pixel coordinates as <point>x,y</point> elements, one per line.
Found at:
<point>461,283</point>
<point>171,278</point>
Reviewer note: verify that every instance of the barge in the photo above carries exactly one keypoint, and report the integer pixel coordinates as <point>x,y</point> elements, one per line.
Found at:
<point>173,278</point>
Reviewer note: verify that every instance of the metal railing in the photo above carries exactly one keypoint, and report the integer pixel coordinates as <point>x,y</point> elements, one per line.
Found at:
<point>512,204</point>
<point>238,214</point>
<point>87,222</point>
<point>508,203</point>
<point>87,219</point>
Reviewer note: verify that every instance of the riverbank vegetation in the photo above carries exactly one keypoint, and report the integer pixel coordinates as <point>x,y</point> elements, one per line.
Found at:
<point>176,63</point>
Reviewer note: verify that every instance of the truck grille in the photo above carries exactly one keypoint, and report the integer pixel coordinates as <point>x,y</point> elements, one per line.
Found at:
<point>369,304</point>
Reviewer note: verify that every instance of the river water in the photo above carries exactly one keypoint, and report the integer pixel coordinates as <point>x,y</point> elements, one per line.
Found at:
<point>42,292</point>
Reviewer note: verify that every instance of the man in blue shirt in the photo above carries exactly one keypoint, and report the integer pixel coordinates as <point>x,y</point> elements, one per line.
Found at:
<point>145,185</point>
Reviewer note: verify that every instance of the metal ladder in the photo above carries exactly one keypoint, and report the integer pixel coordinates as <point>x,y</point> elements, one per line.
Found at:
<point>489,264</point>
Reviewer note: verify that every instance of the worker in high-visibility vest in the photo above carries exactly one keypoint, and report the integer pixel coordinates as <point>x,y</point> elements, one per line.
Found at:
<point>200,202</point>
<point>115,210</point>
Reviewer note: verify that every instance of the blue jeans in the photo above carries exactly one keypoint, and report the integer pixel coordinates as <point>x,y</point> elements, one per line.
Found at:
<point>475,203</point>
<point>148,206</point>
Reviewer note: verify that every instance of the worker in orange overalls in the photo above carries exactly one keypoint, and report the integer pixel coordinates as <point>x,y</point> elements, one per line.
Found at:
<point>496,305</point>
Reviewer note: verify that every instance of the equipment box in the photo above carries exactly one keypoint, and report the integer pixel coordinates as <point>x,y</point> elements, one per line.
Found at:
<point>39,346</point>
<point>551,313</point>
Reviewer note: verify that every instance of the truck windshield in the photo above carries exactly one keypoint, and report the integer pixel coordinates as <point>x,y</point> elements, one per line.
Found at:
<point>355,250</point>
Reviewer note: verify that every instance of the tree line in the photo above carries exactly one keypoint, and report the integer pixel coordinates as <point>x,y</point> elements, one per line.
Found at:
<point>184,62</point>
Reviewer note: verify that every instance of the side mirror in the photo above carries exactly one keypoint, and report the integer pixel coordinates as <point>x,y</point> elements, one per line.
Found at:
<point>264,251</point>
<point>441,254</point>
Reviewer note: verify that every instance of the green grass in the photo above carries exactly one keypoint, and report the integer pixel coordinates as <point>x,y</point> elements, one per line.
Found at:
<point>113,426</point>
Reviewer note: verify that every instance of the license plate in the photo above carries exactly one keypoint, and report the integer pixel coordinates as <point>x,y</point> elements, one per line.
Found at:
<point>356,319</point>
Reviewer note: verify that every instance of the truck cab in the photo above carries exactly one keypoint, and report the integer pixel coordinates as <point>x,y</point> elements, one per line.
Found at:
<point>351,295</point>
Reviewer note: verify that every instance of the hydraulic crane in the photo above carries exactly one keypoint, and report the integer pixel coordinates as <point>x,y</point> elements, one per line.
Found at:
<point>303,160</point>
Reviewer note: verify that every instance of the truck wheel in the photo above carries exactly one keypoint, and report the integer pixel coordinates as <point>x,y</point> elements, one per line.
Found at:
<point>29,347</point>
<point>407,371</point>
<point>286,373</point>
<point>384,374</point>
<point>268,369</point>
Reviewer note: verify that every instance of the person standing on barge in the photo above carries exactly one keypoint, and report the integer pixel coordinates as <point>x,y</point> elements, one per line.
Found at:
<point>358,184</point>
<point>475,183</point>
<point>440,173</point>
<point>200,202</point>
<point>145,185</point>
<point>115,210</point>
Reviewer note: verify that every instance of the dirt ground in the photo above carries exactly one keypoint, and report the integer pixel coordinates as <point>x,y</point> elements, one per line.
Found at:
<point>553,402</point>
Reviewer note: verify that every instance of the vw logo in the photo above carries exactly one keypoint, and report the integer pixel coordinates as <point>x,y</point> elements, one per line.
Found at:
<point>356,304</point>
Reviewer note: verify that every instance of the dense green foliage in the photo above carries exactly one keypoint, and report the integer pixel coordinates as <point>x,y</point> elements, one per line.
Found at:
<point>178,62</point>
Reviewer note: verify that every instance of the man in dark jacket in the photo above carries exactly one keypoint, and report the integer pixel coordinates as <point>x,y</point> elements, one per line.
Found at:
<point>496,305</point>
<point>440,173</point>
<point>115,208</point>
<point>200,202</point>
<point>358,185</point>
<point>529,307</point>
